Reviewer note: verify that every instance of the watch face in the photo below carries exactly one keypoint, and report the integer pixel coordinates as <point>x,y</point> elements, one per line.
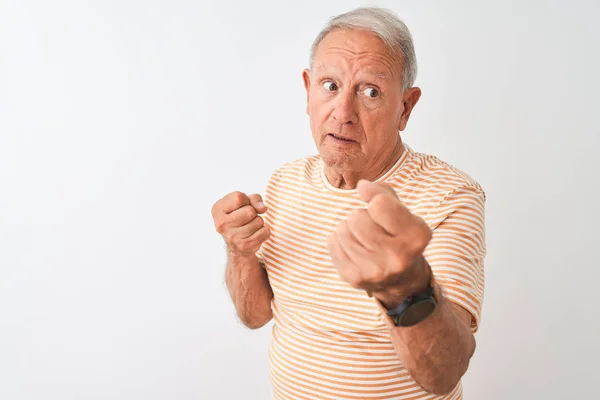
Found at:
<point>417,313</point>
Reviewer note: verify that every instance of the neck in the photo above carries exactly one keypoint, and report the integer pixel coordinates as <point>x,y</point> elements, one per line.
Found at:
<point>349,178</point>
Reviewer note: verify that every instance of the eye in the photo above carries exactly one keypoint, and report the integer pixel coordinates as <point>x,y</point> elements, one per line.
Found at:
<point>330,86</point>
<point>371,92</point>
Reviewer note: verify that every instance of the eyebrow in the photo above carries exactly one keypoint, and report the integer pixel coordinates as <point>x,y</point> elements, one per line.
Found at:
<point>381,75</point>
<point>321,69</point>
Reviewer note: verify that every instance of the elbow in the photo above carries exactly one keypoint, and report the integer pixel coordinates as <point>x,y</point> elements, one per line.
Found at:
<point>443,380</point>
<point>441,387</point>
<point>443,383</point>
<point>254,323</point>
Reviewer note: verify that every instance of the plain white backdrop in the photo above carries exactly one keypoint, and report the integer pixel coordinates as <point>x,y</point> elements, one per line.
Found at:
<point>122,122</point>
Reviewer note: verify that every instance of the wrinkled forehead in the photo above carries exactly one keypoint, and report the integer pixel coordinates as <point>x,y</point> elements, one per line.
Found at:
<point>374,73</point>
<point>346,50</point>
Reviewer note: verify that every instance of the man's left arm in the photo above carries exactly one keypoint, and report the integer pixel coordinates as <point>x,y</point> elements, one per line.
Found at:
<point>437,350</point>
<point>394,254</point>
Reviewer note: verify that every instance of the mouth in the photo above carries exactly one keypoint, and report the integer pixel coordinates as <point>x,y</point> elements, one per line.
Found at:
<point>341,138</point>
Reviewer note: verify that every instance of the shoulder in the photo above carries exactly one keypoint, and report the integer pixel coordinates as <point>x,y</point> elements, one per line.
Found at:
<point>291,179</point>
<point>296,170</point>
<point>436,178</point>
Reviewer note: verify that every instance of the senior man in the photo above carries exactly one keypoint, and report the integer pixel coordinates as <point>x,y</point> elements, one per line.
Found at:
<point>369,255</point>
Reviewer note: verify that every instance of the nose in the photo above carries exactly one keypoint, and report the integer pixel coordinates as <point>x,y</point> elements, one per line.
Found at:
<point>345,108</point>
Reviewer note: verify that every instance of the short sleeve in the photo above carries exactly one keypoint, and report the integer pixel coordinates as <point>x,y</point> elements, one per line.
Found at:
<point>457,249</point>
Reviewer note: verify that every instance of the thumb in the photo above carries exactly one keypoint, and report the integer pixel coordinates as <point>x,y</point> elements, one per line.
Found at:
<point>367,190</point>
<point>257,202</point>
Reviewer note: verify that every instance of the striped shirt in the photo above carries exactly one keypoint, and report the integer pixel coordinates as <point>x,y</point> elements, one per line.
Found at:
<point>330,340</point>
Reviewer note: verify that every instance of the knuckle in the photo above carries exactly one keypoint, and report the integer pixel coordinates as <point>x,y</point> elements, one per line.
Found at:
<point>262,234</point>
<point>247,246</point>
<point>421,238</point>
<point>343,273</point>
<point>349,275</point>
<point>360,219</point>
<point>355,279</point>
<point>378,202</point>
<point>377,276</point>
<point>220,222</point>
<point>362,214</point>
<point>220,226</point>
<point>242,247</point>
<point>353,217</point>
<point>238,198</point>
<point>249,212</point>
<point>229,237</point>
<point>255,198</point>
<point>217,210</point>
<point>399,260</point>
<point>421,242</point>
<point>267,233</point>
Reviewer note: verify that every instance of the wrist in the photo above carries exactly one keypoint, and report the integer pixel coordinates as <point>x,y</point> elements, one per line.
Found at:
<point>237,258</point>
<point>418,280</point>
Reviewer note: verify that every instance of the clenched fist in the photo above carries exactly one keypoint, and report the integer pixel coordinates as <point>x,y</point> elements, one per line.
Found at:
<point>236,217</point>
<point>379,249</point>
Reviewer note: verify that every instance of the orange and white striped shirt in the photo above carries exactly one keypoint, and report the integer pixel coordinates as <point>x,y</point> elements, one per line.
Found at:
<point>330,340</point>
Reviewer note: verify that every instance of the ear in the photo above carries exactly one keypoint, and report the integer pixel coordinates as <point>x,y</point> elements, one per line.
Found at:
<point>306,78</point>
<point>409,99</point>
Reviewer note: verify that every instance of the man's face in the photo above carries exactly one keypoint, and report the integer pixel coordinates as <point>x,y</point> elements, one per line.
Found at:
<point>355,100</point>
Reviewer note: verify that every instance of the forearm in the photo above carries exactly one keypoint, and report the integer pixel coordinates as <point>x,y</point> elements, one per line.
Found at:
<point>436,352</point>
<point>249,289</point>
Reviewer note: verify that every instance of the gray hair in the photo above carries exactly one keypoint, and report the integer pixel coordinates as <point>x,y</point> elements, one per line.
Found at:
<point>384,24</point>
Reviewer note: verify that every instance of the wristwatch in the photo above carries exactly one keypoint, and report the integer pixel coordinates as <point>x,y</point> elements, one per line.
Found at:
<point>414,309</point>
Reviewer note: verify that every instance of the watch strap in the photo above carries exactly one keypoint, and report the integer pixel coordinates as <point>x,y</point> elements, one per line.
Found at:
<point>425,300</point>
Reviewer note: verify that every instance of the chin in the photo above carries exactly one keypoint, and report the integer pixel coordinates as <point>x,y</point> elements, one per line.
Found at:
<point>339,161</point>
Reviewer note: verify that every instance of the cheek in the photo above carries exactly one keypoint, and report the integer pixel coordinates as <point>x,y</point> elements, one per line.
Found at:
<point>319,111</point>
<point>316,122</point>
<point>381,117</point>
<point>373,119</point>
<point>379,125</point>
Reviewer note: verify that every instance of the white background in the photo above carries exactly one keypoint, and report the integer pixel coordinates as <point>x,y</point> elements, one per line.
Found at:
<point>121,122</point>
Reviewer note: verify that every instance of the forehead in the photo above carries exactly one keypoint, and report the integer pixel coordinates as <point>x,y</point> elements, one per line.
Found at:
<point>358,51</point>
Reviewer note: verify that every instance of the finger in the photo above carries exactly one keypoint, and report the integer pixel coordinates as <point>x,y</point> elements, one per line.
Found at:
<point>257,202</point>
<point>248,230</point>
<point>347,270</point>
<point>351,246</point>
<point>389,213</point>
<point>384,207</point>
<point>367,262</point>
<point>251,244</point>
<point>366,231</point>
<point>367,189</point>
<point>233,201</point>
<point>260,236</point>
<point>241,216</point>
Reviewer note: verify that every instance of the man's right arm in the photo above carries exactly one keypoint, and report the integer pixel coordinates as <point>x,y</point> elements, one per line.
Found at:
<point>250,290</point>
<point>237,218</point>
